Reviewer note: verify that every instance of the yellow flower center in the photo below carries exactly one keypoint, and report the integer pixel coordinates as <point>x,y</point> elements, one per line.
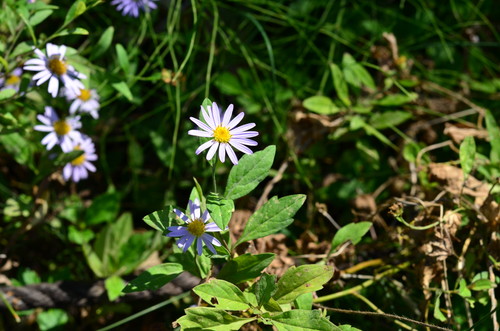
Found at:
<point>61,127</point>
<point>57,66</point>
<point>196,227</point>
<point>221,134</point>
<point>84,95</point>
<point>79,160</point>
<point>13,80</point>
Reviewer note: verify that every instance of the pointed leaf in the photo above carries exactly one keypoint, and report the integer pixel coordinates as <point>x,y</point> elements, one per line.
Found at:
<point>467,154</point>
<point>75,10</point>
<point>160,219</point>
<point>300,280</point>
<point>203,318</point>
<point>245,267</point>
<point>222,295</point>
<point>353,232</point>
<point>274,215</point>
<point>154,278</point>
<point>340,84</point>
<point>249,172</point>
<point>265,288</point>
<point>302,320</point>
<point>494,134</point>
<point>220,210</point>
<point>320,105</point>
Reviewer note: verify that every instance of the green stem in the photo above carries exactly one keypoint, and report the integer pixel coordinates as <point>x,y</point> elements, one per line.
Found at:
<point>213,176</point>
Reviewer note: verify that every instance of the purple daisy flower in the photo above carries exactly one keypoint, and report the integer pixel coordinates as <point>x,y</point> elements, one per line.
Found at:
<point>132,7</point>
<point>85,101</point>
<point>79,167</point>
<point>224,133</point>
<point>196,228</point>
<point>11,80</point>
<point>53,68</point>
<point>61,131</point>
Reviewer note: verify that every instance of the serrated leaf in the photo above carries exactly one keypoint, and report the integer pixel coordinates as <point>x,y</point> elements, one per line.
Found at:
<point>160,219</point>
<point>467,154</point>
<point>220,210</point>
<point>301,320</point>
<point>123,88</point>
<point>353,232</point>
<point>245,267</point>
<point>274,215</point>
<point>340,84</point>
<point>265,288</point>
<point>75,10</point>
<point>249,172</point>
<point>154,278</point>
<point>222,295</point>
<point>204,318</point>
<point>300,280</point>
<point>321,105</point>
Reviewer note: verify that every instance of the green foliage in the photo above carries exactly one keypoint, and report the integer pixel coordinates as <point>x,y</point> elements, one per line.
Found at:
<point>273,216</point>
<point>353,232</point>
<point>154,278</point>
<point>245,267</point>
<point>211,318</point>
<point>250,171</point>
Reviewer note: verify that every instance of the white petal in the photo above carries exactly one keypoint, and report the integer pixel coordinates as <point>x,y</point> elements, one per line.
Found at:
<point>241,147</point>
<point>227,115</point>
<point>222,152</point>
<point>232,155</point>
<point>204,146</point>
<point>212,150</point>
<point>198,133</point>
<point>53,86</point>
<point>207,116</point>
<point>216,114</point>
<point>242,128</point>
<point>199,246</point>
<point>236,121</point>
<point>244,141</point>
<point>202,125</point>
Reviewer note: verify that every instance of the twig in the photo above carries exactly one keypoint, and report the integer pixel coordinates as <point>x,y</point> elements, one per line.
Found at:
<point>402,318</point>
<point>270,185</point>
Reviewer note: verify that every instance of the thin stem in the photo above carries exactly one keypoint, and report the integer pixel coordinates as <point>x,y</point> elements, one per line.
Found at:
<point>213,176</point>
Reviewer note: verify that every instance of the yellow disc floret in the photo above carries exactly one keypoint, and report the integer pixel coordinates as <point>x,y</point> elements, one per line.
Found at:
<point>221,134</point>
<point>84,95</point>
<point>61,127</point>
<point>57,66</point>
<point>196,227</point>
<point>79,160</point>
<point>13,80</point>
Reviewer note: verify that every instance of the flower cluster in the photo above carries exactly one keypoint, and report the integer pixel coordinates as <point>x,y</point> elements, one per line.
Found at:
<point>224,135</point>
<point>11,80</point>
<point>64,80</point>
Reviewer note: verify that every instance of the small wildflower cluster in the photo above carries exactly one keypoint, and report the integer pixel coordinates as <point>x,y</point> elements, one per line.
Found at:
<point>224,135</point>
<point>64,80</point>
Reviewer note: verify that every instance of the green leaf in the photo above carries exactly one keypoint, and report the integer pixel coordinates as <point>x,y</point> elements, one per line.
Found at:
<point>154,278</point>
<point>75,10</point>
<point>122,58</point>
<point>103,43</point>
<point>437,311</point>
<point>249,172</point>
<point>301,320</point>
<point>245,267</point>
<point>79,236</point>
<point>494,134</point>
<point>122,87</point>
<point>114,286</point>
<point>353,232</point>
<point>396,99</point>
<point>104,208</point>
<point>265,288</point>
<point>72,31</point>
<point>463,290</point>
<point>389,118</point>
<point>228,84</point>
<point>222,295</point>
<point>321,105</point>
<point>482,284</point>
<point>52,319</point>
<point>347,327</point>
<point>467,154</point>
<point>203,318</point>
<point>355,74</point>
<point>21,48</point>
<point>300,280</point>
<point>64,158</point>
<point>220,209</point>
<point>7,93</point>
<point>160,220</point>
<point>340,84</point>
<point>274,215</point>
<point>304,301</point>
<point>39,16</point>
